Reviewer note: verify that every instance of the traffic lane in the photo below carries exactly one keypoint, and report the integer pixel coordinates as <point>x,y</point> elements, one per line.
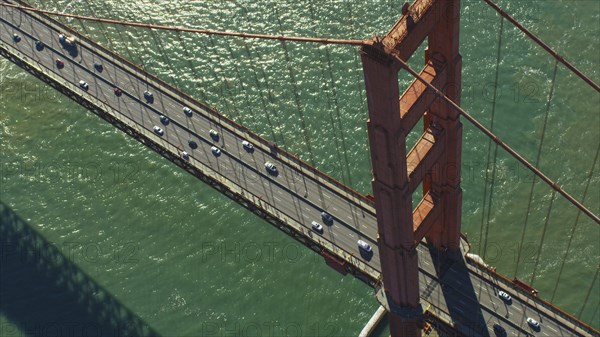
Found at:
<point>274,194</point>
<point>87,76</point>
<point>167,103</point>
<point>521,305</point>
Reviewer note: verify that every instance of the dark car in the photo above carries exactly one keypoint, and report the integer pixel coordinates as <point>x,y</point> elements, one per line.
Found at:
<point>148,96</point>
<point>16,37</point>
<point>118,92</point>
<point>39,45</point>
<point>164,119</point>
<point>60,63</point>
<point>499,330</point>
<point>327,218</point>
<point>98,66</point>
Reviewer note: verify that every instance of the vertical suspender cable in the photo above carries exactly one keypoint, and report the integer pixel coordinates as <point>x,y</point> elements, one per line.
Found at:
<point>339,117</point>
<point>359,88</point>
<point>244,90</point>
<point>297,97</point>
<point>234,112</point>
<point>533,181</point>
<point>271,101</point>
<point>330,92</point>
<point>161,49</point>
<point>539,251</point>
<point>574,227</point>
<point>121,38</point>
<point>188,58</point>
<point>484,240</point>
<point>587,296</point>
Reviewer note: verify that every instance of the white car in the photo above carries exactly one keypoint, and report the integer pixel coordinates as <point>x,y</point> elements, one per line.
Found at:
<point>504,296</point>
<point>185,155</point>
<point>187,111</point>
<point>317,226</point>
<point>533,323</point>
<point>216,151</point>
<point>248,146</point>
<point>84,85</point>
<point>158,130</point>
<point>364,246</point>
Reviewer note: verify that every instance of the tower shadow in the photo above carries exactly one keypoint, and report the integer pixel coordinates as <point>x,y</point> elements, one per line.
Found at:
<point>43,293</point>
<point>459,293</point>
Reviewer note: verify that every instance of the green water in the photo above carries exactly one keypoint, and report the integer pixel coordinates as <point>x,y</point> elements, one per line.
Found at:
<point>189,262</point>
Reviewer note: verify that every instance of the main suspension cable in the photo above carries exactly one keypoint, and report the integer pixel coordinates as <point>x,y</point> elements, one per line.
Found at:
<point>197,31</point>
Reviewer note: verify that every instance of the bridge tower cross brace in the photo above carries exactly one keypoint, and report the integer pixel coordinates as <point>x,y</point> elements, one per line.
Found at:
<point>434,161</point>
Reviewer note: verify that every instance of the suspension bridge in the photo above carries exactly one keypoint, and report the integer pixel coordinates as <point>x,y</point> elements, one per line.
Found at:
<point>417,261</point>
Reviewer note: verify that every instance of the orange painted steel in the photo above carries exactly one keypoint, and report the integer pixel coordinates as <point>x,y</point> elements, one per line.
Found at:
<point>397,172</point>
<point>193,30</point>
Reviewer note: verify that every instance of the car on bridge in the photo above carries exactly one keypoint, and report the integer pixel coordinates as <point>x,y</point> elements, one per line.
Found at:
<point>192,144</point>
<point>271,168</point>
<point>16,37</point>
<point>248,146</point>
<point>83,84</point>
<point>327,218</point>
<point>535,325</point>
<point>148,96</point>
<point>60,63</point>
<point>164,119</point>
<point>214,134</point>
<point>118,92</point>
<point>185,155</point>
<point>98,66</point>
<point>317,227</point>
<point>499,330</point>
<point>216,151</point>
<point>187,111</point>
<point>158,130</point>
<point>504,296</point>
<point>364,246</point>
<point>39,45</point>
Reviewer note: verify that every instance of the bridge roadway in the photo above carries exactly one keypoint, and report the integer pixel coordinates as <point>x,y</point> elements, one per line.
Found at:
<point>454,290</point>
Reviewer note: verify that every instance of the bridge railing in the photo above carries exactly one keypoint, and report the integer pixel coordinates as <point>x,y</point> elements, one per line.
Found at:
<point>537,300</point>
<point>290,158</point>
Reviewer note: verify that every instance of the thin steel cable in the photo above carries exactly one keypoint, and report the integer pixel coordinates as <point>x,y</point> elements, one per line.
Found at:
<point>272,105</point>
<point>487,168</point>
<point>338,116</point>
<point>188,60</point>
<point>328,87</point>
<point>539,251</point>
<point>248,104</point>
<point>359,87</point>
<point>296,96</point>
<point>159,43</point>
<point>541,43</point>
<point>497,139</point>
<point>589,292</point>
<point>224,81</point>
<point>576,223</point>
<point>533,181</point>
<point>197,31</point>
<point>121,38</point>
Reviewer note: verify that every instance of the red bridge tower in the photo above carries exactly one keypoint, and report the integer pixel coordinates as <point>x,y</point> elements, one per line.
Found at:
<point>434,161</point>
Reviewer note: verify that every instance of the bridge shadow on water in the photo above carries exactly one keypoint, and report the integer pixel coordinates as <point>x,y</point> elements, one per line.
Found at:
<point>43,293</point>
<point>459,294</point>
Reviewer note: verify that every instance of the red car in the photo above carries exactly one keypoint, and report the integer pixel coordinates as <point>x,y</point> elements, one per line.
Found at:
<point>118,92</point>
<point>60,64</point>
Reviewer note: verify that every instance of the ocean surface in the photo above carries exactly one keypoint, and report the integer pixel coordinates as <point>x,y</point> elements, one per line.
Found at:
<point>116,231</point>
